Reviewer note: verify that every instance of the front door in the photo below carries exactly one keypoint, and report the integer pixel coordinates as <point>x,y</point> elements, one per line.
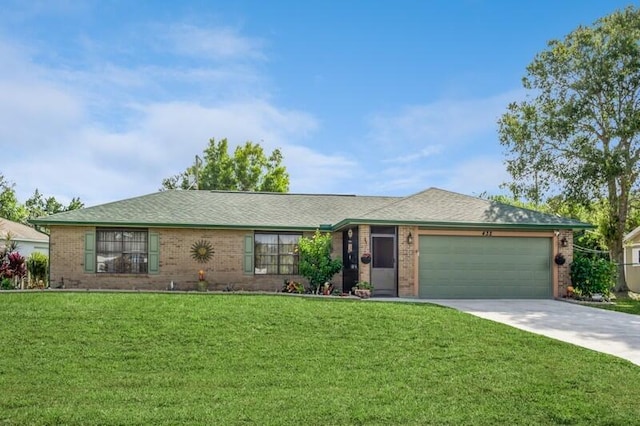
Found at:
<point>349,259</point>
<point>383,262</point>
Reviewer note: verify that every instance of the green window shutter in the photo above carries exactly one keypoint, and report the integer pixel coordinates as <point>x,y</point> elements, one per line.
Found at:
<point>90,251</point>
<point>154,253</point>
<point>248,254</point>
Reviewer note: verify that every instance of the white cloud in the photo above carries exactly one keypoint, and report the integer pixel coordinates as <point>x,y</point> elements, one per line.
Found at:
<point>451,144</point>
<point>415,156</point>
<point>443,122</point>
<point>477,175</point>
<point>101,165</point>
<point>100,132</point>
<point>57,147</point>
<point>314,172</point>
<point>214,43</point>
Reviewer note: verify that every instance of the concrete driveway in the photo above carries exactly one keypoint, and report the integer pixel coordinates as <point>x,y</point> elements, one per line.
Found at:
<point>610,332</point>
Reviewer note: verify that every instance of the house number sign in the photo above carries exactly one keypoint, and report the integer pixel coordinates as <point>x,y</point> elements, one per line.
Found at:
<point>486,233</point>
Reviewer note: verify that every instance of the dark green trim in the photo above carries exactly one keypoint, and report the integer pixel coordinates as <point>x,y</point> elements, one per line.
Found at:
<point>543,226</point>
<point>336,227</point>
<point>180,225</point>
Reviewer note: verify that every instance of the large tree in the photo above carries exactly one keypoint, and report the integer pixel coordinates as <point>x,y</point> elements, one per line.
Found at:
<point>577,132</point>
<point>248,169</point>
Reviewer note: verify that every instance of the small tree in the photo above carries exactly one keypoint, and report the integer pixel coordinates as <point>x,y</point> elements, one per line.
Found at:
<point>316,264</point>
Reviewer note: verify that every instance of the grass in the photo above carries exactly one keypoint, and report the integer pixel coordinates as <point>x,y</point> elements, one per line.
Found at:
<point>629,303</point>
<point>87,358</point>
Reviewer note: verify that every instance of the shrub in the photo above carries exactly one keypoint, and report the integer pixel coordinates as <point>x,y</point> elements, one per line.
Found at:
<point>591,276</point>
<point>6,284</point>
<point>38,265</point>
<point>13,266</point>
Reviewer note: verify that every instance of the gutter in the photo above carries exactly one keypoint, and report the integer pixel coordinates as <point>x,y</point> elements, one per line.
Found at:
<point>465,225</point>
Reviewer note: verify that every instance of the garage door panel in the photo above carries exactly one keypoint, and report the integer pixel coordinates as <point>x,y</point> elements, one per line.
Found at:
<point>484,267</point>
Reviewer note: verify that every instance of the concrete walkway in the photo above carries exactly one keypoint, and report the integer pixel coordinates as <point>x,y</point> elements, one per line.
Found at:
<point>610,332</point>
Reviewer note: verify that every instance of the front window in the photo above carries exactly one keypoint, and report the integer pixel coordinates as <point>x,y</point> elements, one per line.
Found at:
<point>276,254</point>
<point>121,251</point>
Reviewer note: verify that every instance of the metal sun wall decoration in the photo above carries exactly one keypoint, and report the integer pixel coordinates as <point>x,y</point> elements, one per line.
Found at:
<point>202,251</point>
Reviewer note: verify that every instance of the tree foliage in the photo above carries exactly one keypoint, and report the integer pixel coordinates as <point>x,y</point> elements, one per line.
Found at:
<point>592,276</point>
<point>315,263</point>
<point>591,240</point>
<point>248,169</point>
<point>577,133</point>
<point>10,207</point>
<point>35,206</point>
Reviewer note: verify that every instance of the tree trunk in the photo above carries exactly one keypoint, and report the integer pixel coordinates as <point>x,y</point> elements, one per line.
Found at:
<point>616,254</point>
<point>618,206</point>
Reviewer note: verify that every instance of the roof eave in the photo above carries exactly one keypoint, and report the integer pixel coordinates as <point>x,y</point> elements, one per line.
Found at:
<point>182,225</point>
<point>431,224</point>
<point>343,223</point>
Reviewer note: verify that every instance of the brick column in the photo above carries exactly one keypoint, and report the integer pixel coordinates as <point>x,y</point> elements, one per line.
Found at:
<point>364,246</point>
<point>564,278</point>
<point>336,253</point>
<point>405,262</point>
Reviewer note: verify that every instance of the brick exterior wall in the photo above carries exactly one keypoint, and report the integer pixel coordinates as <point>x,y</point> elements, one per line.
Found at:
<point>336,253</point>
<point>225,269</point>
<point>364,246</point>
<point>564,277</point>
<point>406,261</point>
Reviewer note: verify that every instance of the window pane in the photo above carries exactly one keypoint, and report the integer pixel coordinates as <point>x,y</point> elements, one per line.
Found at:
<point>267,238</point>
<point>121,251</point>
<point>276,253</point>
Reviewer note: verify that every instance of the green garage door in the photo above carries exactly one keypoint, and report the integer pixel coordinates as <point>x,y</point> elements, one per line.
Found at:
<point>454,267</point>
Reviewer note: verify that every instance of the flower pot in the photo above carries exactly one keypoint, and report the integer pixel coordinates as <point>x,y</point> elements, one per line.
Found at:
<point>560,259</point>
<point>362,293</point>
<point>203,285</point>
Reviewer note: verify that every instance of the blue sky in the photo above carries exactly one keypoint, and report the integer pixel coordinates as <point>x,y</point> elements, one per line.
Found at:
<point>103,99</point>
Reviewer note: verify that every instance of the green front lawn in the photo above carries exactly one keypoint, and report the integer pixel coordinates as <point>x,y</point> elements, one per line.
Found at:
<point>626,305</point>
<point>88,358</point>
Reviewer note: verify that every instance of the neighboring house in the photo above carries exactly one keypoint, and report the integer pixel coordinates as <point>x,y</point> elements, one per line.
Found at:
<point>434,244</point>
<point>28,239</point>
<point>632,259</point>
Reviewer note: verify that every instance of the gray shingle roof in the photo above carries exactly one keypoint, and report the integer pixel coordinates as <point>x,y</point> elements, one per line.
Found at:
<point>251,210</point>
<point>439,206</point>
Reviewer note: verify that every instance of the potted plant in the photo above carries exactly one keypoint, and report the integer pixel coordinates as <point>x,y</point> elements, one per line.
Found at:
<point>202,283</point>
<point>363,289</point>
